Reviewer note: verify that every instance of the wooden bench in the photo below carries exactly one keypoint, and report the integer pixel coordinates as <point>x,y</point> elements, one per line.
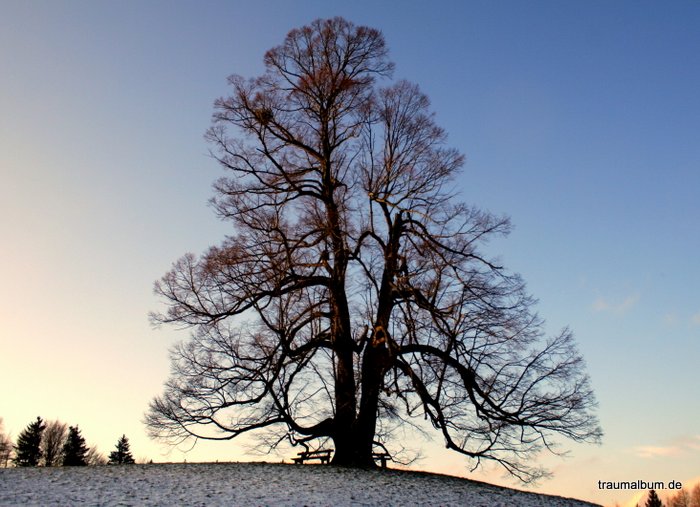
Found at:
<point>383,457</point>
<point>324,455</point>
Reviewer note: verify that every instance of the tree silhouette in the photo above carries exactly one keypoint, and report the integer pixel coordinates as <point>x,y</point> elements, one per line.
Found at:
<point>5,446</point>
<point>122,455</point>
<point>653,500</point>
<point>52,442</point>
<point>94,457</point>
<point>352,294</point>
<point>695,496</point>
<point>683,498</point>
<point>74,449</point>
<point>28,448</point>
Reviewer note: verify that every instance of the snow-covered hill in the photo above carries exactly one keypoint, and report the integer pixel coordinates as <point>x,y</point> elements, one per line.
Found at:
<point>254,484</point>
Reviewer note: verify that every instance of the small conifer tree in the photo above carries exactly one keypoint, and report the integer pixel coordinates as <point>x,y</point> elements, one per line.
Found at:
<point>122,455</point>
<point>74,450</point>
<point>28,448</point>
<point>653,500</point>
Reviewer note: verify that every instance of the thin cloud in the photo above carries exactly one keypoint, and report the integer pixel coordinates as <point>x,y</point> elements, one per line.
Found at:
<point>695,319</point>
<point>617,307</point>
<point>694,443</point>
<point>677,447</point>
<point>654,451</point>
<point>671,319</point>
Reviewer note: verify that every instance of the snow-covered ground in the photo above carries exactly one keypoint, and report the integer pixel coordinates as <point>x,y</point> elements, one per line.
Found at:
<point>254,484</point>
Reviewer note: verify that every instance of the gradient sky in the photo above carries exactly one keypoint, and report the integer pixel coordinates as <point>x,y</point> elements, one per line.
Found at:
<point>580,120</point>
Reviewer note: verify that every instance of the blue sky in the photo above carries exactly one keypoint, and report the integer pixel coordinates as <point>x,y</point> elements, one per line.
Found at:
<point>580,120</point>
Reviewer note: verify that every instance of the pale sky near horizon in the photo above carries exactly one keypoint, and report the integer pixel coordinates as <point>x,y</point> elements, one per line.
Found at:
<point>579,120</point>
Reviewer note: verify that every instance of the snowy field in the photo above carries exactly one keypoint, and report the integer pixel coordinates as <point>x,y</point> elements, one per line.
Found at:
<point>259,484</point>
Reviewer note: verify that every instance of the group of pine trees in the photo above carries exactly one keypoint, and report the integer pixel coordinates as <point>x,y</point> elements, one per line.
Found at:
<point>56,444</point>
<point>681,499</point>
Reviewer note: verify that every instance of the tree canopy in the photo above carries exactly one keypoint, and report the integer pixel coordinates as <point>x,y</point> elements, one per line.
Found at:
<point>6,446</point>
<point>653,500</point>
<point>353,294</point>
<point>74,449</point>
<point>122,454</point>
<point>28,449</point>
<point>52,442</point>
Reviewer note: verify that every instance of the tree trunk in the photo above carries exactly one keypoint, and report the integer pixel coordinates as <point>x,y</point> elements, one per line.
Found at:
<point>346,407</point>
<point>376,360</point>
<point>354,441</point>
<point>374,364</point>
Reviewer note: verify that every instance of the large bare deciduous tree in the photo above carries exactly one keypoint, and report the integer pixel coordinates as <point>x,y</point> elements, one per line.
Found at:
<point>353,292</point>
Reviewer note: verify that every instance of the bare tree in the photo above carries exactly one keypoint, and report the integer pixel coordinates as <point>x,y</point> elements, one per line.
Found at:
<point>695,496</point>
<point>680,499</point>
<point>52,441</point>
<point>353,293</point>
<point>5,446</point>
<point>93,457</point>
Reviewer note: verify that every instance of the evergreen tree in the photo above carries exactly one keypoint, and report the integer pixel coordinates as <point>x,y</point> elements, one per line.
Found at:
<point>74,450</point>
<point>122,456</point>
<point>28,448</point>
<point>653,500</point>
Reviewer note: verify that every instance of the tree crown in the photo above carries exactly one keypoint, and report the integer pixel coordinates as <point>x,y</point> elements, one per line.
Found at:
<point>353,295</point>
